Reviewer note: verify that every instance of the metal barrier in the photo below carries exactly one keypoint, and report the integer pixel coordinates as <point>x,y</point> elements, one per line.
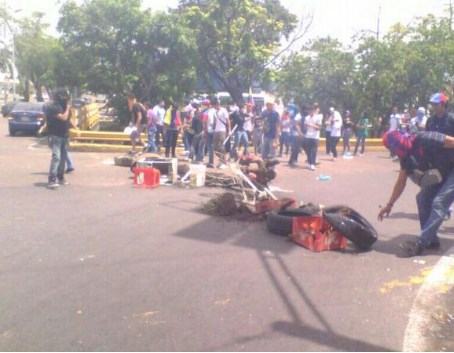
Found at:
<point>86,117</point>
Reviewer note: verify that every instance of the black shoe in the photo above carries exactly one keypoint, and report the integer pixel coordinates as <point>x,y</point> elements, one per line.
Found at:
<point>62,181</point>
<point>209,165</point>
<point>433,245</point>
<point>52,184</point>
<point>69,170</point>
<point>412,248</point>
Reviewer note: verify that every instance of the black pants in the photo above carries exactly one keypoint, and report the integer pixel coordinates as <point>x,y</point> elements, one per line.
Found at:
<point>296,142</point>
<point>333,143</point>
<point>171,142</point>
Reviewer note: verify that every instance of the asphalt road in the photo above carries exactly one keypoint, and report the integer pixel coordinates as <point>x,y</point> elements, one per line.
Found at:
<point>99,265</point>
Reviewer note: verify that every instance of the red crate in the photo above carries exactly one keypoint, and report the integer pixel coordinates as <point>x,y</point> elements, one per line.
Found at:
<point>146,177</point>
<point>314,233</point>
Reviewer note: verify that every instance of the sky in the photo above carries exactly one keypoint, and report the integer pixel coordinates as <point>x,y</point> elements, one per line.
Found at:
<point>339,19</point>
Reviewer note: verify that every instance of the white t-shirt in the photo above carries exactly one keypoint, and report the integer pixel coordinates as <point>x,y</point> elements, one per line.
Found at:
<point>336,125</point>
<point>222,117</point>
<point>311,132</point>
<point>210,121</point>
<point>394,122</point>
<point>160,113</point>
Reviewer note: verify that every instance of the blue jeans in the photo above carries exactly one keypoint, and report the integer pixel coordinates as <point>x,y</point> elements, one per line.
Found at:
<point>59,147</point>
<point>69,160</point>
<point>433,204</point>
<point>187,140</point>
<point>268,150</point>
<point>197,148</point>
<point>241,139</point>
<point>362,139</point>
<point>152,141</point>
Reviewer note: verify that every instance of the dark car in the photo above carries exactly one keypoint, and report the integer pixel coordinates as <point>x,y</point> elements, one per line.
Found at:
<point>26,117</point>
<point>7,107</point>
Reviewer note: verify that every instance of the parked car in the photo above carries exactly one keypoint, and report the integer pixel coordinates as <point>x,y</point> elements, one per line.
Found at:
<point>7,107</point>
<point>26,117</point>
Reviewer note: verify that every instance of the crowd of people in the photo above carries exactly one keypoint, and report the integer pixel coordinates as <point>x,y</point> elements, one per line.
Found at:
<point>423,146</point>
<point>210,131</point>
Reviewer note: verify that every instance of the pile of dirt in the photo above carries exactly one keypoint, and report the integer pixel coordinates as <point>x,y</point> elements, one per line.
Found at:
<point>228,205</point>
<point>221,205</point>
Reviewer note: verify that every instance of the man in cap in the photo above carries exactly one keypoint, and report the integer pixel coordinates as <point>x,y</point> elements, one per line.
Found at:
<point>57,113</point>
<point>433,201</point>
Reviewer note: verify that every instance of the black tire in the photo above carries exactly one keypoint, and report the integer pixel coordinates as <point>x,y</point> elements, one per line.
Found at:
<point>280,222</point>
<point>352,225</point>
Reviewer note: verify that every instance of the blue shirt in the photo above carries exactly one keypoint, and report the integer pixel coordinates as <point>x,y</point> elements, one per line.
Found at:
<point>270,123</point>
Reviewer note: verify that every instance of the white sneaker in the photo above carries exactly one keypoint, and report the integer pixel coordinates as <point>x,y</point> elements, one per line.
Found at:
<point>312,167</point>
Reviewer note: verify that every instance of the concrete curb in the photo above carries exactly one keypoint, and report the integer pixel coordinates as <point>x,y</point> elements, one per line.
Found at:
<point>429,306</point>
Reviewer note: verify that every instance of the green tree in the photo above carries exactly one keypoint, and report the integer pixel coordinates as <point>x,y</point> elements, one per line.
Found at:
<point>34,58</point>
<point>237,39</point>
<point>115,47</point>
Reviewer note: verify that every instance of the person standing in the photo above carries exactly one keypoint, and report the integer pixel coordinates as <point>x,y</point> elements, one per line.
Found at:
<point>296,138</point>
<point>57,114</point>
<point>160,112</point>
<point>152,121</point>
<point>347,132</point>
<point>361,133</point>
<point>328,126</point>
<point>221,130</point>
<point>138,120</point>
<point>208,127</point>
<point>198,146</point>
<point>313,123</point>
<point>336,130</point>
<point>421,119</point>
<point>284,138</point>
<point>270,131</point>
<point>239,118</point>
<point>172,125</point>
<point>257,131</point>
<point>395,121</point>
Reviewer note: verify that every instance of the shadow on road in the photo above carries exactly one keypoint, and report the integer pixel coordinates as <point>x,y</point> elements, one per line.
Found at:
<point>336,341</point>
<point>270,249</point>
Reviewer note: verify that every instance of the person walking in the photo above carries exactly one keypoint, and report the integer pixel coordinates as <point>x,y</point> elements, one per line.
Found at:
<point>57,114</point>
<point>361,133</point>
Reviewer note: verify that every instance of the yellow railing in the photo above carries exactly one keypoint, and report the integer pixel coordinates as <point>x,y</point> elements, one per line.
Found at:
<point>86,117</point>
<point>120,142</point>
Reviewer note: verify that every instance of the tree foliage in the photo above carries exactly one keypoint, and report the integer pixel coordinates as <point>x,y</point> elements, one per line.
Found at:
<point>236,38</point>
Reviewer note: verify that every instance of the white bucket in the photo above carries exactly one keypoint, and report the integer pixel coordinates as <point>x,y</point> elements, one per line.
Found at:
<point>197,174</point>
